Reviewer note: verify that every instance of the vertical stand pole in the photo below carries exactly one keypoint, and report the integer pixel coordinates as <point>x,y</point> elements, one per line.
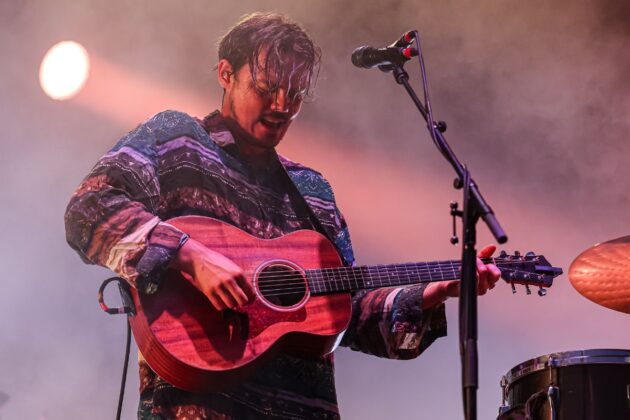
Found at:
<point>468,306</point>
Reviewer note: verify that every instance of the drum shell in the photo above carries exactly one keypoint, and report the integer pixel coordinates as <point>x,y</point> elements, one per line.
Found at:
<point>587,390</point>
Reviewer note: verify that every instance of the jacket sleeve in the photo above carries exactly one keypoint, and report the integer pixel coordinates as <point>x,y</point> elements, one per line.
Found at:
<point>111,218</point>
<point>390,323</point>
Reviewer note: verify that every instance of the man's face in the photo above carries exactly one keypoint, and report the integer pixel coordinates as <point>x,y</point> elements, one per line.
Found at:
<point>263,109</point>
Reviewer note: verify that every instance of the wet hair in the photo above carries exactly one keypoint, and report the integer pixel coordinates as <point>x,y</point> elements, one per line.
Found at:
<point>281,42</point>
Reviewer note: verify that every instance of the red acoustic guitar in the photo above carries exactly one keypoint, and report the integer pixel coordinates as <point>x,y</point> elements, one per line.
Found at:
<point>302,304</point>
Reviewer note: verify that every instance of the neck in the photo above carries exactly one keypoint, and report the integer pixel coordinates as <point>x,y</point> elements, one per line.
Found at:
<point>252,153</point>
<point>248,149</point>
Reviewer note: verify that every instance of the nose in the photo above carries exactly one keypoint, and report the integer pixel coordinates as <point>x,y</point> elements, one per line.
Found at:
<point>280,101</point>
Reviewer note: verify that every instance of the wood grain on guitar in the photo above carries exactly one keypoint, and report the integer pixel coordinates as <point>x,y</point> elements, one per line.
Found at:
<point>302,304</point>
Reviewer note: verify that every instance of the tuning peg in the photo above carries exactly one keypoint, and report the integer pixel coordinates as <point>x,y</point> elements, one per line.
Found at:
<point>513,288</point>
<point>503,254</point>
<point>517,254</point>
<point>542,292</point>
<point>530,254</point>
<point>529,292</point>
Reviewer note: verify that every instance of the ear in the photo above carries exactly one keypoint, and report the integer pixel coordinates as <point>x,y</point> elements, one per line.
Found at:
<point>225,73</point>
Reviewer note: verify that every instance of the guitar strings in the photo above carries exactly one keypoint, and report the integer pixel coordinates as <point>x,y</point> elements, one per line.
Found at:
<point>301,285</point>
<point>303,288</point>
<point>297,279</point>
<point>421,268</point>
<point>316,276</point>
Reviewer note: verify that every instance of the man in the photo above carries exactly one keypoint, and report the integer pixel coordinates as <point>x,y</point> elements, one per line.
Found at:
<point>226,167</point>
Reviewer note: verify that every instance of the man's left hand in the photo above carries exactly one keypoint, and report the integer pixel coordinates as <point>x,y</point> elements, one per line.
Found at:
<point>487,277</point>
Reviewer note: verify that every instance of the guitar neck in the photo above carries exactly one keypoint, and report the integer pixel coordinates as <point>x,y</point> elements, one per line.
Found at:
<point>349,279</point>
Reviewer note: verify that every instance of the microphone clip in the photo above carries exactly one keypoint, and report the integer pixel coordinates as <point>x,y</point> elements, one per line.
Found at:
<point>403,55</point>
<point>405,40</point>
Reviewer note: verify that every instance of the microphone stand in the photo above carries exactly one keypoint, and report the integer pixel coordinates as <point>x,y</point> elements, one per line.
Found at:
<point>474,208</point>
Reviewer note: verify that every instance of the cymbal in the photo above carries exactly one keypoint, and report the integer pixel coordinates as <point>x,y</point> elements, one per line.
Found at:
<point>602,274</point>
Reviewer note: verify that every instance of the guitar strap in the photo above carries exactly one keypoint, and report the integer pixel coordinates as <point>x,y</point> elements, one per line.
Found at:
<point>302,208</point>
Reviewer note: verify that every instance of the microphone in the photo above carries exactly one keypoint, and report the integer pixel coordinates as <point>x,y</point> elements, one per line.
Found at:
<point>368,57</point>
<point>397,53</point>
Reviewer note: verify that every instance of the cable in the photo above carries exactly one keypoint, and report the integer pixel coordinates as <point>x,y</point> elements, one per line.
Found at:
<point>123,381</point>
<point>129,309</point>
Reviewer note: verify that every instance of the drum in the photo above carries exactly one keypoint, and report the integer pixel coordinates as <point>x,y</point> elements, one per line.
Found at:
<point>572,385</point>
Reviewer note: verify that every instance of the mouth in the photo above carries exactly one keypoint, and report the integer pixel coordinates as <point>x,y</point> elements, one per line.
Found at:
<point>273,122</point>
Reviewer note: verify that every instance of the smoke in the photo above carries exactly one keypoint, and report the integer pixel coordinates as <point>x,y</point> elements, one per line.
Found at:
<point>537,104</point>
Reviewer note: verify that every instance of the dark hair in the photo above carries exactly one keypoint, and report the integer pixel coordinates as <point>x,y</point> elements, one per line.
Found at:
<point>280,39</point>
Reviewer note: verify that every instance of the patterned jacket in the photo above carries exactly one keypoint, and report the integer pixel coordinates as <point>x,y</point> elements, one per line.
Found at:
<point>175,165</point>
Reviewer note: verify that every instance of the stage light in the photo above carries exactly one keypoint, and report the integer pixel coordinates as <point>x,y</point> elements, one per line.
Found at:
<point>64,70</point>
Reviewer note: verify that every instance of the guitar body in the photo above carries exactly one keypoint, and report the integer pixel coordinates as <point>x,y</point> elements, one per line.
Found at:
<point>196,348</point>
<point>302,303</point>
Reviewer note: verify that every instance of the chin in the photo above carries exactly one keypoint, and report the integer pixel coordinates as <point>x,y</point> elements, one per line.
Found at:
<point>270,140</point>
<point>272,143</point>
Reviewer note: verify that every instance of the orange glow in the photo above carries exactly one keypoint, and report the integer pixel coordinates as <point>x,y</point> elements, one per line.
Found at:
<point>128,98</point>
<point>64,70</point>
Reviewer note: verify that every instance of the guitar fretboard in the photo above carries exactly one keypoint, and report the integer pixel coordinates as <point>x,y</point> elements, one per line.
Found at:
<point>347,279</point>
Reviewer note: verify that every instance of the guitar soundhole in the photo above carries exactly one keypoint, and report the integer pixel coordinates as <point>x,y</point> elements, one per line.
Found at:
<point>282,285</point>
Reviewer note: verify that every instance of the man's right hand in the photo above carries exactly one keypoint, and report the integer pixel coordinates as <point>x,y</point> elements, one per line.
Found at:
<point>215,275</point>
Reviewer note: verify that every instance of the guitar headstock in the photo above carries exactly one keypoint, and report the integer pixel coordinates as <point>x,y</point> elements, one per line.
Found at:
<point>527,270</point>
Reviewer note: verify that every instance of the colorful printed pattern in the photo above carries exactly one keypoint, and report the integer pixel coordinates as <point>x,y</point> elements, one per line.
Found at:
<point>175,165</point>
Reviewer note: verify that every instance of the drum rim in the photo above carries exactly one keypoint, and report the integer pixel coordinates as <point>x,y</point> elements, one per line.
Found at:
<point>567,358</point>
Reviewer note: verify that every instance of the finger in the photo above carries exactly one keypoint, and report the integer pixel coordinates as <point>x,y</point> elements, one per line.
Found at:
<point>216,302</point>
<point>489,279</point>
<point>483,290</point>
<point>236,292</point>
<point>227,298</point>
<point>487,251</point>
<point>482,277</point>
<point>495,274</point>
<point>452,288</point>
<point>482,270</point>
<point>246,287</point>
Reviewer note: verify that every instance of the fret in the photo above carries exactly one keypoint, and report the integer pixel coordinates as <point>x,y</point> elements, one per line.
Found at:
<point>434,271</point>
<point>342,279</point>
<point>446,270</point>
<point>455,269</point>
<point>352,274</point>
<point>314,284</point>
<point>335,279</point>
<point>428,275</point>
<point>329,280</point>
<point>391,274</point>
<point>321,282</point>
<point>365,276</point>
<point>383,276</point>
<point>373,276</point>
<point>409,273</point>
<point>441,270</point>
<point>349,278</point>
